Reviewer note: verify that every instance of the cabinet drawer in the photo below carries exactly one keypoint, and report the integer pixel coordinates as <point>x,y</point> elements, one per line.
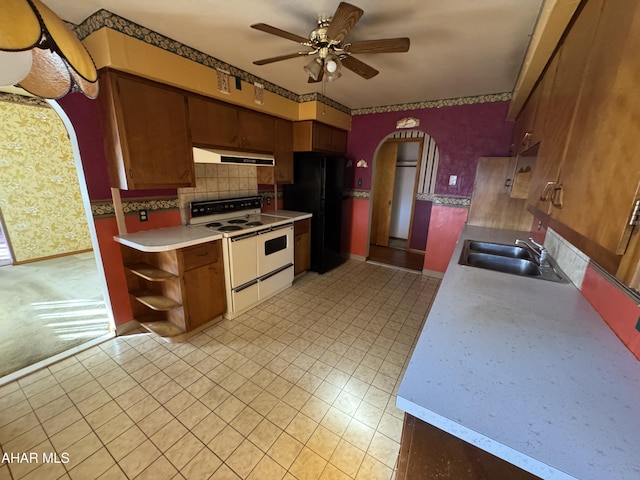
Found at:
<point>301,226</point>
<point>199,255</point>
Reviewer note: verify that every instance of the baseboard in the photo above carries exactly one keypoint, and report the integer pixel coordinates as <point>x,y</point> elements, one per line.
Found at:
<point>127,327</point>
<point>352,256</point>
<point>432,273</point>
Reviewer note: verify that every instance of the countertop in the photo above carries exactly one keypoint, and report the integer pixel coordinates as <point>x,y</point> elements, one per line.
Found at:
<point>169,238</point>
<point>289,214</point>
<point>526,370</point>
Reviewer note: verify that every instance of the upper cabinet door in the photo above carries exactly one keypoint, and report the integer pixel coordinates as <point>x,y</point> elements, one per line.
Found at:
<point>147,137</point>
<point>256,131</point>
<point>601,172</point>
<point>213,124</point>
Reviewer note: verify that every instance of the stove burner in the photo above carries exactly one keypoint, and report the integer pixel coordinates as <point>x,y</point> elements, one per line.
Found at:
<point>254,224</point>
<point>237,220</point>
<point>229,228</point>
<point>213,224</point>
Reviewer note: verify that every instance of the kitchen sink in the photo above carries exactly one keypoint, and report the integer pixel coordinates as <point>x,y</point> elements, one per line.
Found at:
<point>510,259</point>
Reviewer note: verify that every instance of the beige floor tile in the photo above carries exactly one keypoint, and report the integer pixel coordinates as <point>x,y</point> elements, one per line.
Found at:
<point>215,397</point>
<point>70,435</point>
<point>168,435</point>
<point>384,449</point>
<point>225,442</point>
<point>372,469</point>
<point>336,420</point>
<point>128,441</point>
<point>139,459</point>
<point>94,466</point>
<point>93,402</point>
<point>315,408</point>
<point>285,450</point>
<point>208,428</point>
<point>323,442</point>
<point>144,407</point>
<point>359,434</point>
<point>180,402</point>
<point>264,435</point>
<point>269,469</point>
<point>246,421</point>
<point>25,441</point>
<point>368,414</point>
<point>224,473</point>
<point>103,414</point>
<point>131,396</point>
<point>114,473</point>
<point>42,472</point>
<point>114,427</point>
<point>160,469</point>
<point>82,449</point>
<point>331,472</point>
<point>201,386</point>
<point>264,402</point>
<point>193,414</point>
<point>184,450</point>
<point>155,421</point>
<point>245,458</point>
<point>301,427</point>
<point>19,426</point>
<point>230,408</point>
<point>347,458</point>
<point>308,465</point>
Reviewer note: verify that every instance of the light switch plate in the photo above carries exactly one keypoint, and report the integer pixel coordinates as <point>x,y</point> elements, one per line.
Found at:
<point>453,179</point>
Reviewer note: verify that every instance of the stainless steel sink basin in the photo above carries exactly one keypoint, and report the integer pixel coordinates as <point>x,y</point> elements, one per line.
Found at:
<point>509,259</point>
<point>512,251</point>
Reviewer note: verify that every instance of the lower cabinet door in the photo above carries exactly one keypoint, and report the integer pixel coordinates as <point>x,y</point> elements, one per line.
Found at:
<point>205,294</point>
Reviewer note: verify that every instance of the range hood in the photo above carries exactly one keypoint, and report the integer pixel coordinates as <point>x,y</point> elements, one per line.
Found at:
<point>227,157</point>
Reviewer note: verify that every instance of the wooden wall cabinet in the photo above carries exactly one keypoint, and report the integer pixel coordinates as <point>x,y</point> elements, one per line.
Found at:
<point>587,159</point>
<point>147,142</point>
<point>222,125</point>
<point>312,136</point>
<point>302,246</point>
<point>176,291</point>
<point>282,172</point>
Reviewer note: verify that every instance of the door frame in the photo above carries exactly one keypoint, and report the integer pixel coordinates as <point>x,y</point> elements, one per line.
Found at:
<point>416,181</point>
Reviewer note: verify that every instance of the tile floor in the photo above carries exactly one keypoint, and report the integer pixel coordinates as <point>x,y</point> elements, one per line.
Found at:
<point>300,387</point>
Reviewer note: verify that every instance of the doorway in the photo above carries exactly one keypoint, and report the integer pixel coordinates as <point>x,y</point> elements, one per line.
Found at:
<point>53,299</point>
<point>404,168</point>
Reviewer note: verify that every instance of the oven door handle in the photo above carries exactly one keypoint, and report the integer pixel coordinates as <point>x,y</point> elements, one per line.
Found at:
<point>245,285</point>
<point>243,236</point>
<point>275,272</point>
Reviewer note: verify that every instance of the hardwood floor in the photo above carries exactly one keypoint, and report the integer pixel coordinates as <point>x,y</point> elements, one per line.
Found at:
<point>396,257</point>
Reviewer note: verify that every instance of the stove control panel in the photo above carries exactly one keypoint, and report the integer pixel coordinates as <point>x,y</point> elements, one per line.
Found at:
<point>215,207</point>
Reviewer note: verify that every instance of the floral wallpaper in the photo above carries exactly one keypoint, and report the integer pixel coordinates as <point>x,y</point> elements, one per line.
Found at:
<point>40,197</point>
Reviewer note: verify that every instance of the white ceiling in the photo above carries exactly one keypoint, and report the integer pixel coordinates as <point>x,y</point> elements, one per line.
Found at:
<point>459,48</point>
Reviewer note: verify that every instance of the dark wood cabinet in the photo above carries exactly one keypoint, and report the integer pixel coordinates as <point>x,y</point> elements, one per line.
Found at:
<point>312,136</point>
<point>428,452</point>
<point>282,172</point>
<point>176,291</point>
<point>147,140</point>
<point>203,282</point>
<point>302,246</point>
<point>222,125</point>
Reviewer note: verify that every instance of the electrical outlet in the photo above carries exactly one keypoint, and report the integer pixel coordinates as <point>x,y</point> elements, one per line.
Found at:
<point>238,83</point>
<point>143,216</point>
<point>268,200</point>
<point>453,179</point>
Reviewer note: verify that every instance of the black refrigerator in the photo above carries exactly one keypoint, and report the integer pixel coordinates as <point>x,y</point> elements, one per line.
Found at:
<point>318,188</point>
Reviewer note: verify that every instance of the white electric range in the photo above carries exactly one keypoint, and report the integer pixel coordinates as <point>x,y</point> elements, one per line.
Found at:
<point>257,249</point>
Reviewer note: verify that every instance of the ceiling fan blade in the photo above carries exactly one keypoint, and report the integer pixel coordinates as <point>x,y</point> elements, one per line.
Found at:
<point>265,61</point>
<point>386,45</point>
<point>343,21</point>
<point>359,67</point>
<point>263,27</point>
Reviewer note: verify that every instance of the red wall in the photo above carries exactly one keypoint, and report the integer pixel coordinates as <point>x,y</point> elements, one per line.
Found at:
<point>463,134</point>
<point>85,117</point>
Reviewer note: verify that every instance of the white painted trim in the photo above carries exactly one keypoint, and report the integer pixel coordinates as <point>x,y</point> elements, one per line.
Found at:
<point>432,273</point>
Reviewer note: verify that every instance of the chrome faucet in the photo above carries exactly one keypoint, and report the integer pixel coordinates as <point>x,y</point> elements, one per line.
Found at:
<point>539,252</point>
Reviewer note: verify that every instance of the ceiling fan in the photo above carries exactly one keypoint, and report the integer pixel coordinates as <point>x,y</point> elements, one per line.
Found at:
<point>331,52</point>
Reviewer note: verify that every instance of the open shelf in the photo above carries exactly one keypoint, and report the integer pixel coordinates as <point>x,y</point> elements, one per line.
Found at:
<point>149,272</point>
<point>154,301</point>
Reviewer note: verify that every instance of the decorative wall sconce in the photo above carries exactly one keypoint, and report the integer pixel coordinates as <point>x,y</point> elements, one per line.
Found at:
<point>362,164</point>
<point>408,122</point>
<point>40,54</point>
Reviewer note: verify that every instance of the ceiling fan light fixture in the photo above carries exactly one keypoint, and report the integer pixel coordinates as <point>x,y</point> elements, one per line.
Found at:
<point>332,67</point>
<point>314,68</point>
<point>59,62</point>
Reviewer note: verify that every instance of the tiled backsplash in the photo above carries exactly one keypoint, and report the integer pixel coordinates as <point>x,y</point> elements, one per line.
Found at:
<point>215,181</point>
<point>571,261</point>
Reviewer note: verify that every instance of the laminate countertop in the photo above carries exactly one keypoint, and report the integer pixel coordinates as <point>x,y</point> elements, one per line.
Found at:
<point>526,370</point>
<point>169,238</point>
<point>295,216</point>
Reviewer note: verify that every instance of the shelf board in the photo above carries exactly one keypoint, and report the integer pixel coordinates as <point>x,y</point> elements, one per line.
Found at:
<point>149,272</point>
<point>155,302</point>
<point>162,328</point>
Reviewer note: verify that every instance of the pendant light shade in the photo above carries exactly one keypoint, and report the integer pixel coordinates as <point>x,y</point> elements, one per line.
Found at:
<point>60,63</point>
<point>14,66</point>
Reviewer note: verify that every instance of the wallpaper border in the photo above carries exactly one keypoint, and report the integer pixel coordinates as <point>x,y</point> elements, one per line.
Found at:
<point>106,19</point>
<point>105,208</point>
